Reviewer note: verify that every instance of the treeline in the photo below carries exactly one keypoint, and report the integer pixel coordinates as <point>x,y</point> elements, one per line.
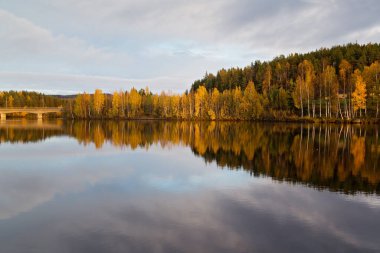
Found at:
<point>338,83</point>
<point>235,104</point>
<point>281,70</point>
<point>28,99</point>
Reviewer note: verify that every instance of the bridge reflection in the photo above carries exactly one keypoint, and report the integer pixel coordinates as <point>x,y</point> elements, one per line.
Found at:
<point>30,124</point>
<point>23,130</point>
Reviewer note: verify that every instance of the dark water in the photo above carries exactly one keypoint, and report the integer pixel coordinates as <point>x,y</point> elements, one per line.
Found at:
<point>188,187</point>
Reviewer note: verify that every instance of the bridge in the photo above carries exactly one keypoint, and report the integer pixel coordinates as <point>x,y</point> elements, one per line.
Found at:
<point>39,111</point>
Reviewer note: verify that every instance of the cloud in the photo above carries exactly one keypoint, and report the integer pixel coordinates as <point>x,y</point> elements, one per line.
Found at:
<point>249,218</point>
<point>300,25</point>
<point>24,188</point>
<point>22,42</point>
<point>149,39</point>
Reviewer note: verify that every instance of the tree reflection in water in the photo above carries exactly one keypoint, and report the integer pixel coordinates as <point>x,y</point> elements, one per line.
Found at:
<point>337,157</point>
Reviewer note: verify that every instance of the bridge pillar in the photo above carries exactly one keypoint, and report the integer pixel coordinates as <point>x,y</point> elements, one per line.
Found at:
<point>3,116</point>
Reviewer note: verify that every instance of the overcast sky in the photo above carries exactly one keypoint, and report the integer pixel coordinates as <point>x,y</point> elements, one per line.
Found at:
<point>69,46</point>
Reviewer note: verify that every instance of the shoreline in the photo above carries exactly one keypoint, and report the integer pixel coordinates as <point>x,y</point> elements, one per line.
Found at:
<point>267,120</point>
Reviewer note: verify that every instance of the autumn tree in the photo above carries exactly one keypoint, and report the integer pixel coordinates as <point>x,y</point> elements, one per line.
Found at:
<point>175,106</point>
<point>281,73</point>
<point>82,105</point>
<point>200,99</point>
<point>251,104</point>
<point>359,96</point>
<point>330,87</point>
<point>185,105</point>
<point>87,104</point>
<point>304,89</point>
<point>99,100</point>
<point>214,111</point>
<point>227,103</point>
<point>307,77</point>
<point>345,71</point>
<point>10,101</point>
<point>371,76</point>
<point>267,79</point>
<point>116,104</point>
<point>1,98</point>
<point>134,102</point>
<point>237,98</point>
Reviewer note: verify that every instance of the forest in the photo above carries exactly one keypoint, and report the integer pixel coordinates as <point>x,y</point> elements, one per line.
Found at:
<point>29,99</point>
<point>340,83</point>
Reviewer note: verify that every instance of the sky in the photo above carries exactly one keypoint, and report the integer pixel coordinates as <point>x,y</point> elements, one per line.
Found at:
<point>71,46</point>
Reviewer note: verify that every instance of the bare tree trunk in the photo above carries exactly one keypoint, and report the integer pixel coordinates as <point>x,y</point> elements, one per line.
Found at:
<point>377,96</point>
<point>329,108</point>
<point>308,103</point>
<point>301,101</point>
<point>71,110</point>
<point>123,103</point>
<point>308,136</point>
<point>345,99</point>
<point>320,100</point>
<point>349,101</point>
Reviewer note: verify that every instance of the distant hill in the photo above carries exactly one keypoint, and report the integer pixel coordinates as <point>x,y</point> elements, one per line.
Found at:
<point>64,96</point>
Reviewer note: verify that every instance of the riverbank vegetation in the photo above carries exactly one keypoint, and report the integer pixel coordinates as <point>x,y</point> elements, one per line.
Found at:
<point>341,83</point>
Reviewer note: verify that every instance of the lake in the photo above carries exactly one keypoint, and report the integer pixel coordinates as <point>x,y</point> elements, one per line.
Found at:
<point>154,186</point>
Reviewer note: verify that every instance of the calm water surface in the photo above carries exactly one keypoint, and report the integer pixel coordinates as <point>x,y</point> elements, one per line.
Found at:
<point>188,187</point>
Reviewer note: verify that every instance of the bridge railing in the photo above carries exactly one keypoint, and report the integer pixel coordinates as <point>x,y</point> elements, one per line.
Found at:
<point>31,108</point>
